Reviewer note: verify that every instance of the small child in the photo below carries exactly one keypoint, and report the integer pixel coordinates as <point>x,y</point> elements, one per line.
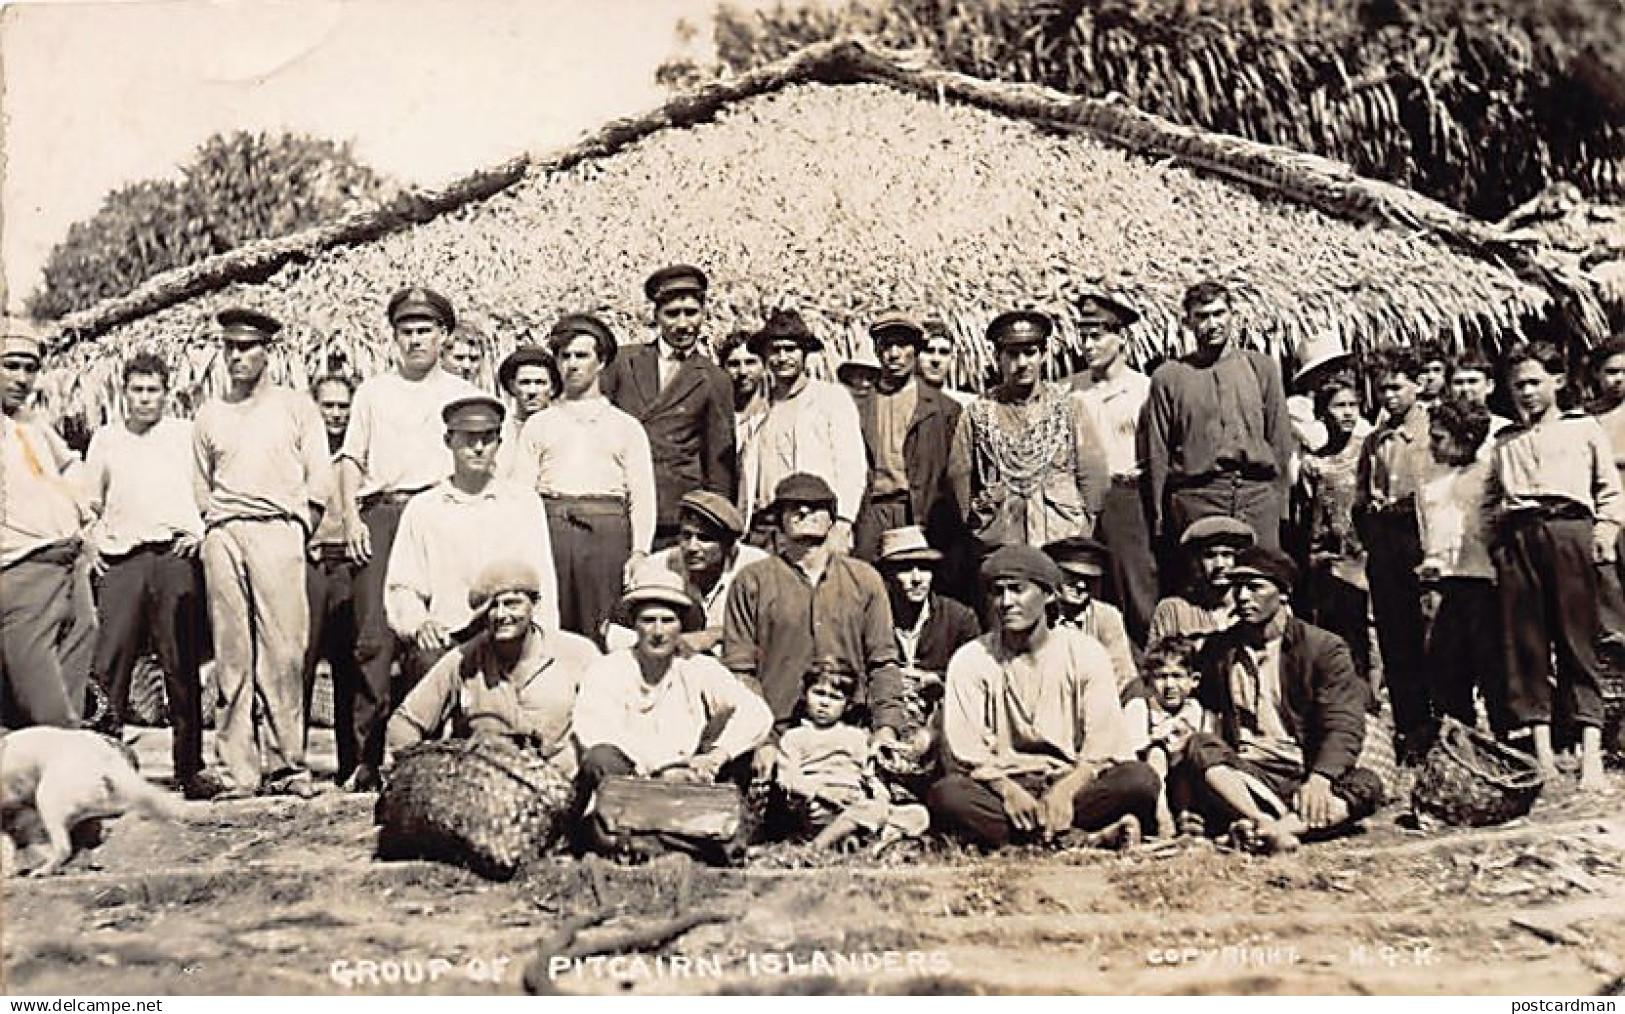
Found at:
<point>824,767</point>
<point>1174,715</point>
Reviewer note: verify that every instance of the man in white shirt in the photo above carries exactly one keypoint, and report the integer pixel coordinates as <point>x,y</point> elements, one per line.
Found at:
<point>393,450</point>
<point>451,533</point>
<point>811,427</point>
<point>138,478</point>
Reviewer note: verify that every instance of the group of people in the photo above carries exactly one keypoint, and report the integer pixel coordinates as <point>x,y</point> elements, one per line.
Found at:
<point>1051,611</point>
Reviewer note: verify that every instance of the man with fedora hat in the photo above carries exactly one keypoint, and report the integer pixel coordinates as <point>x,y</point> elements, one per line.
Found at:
<point>531,378</point>
<point>918,444</point>
<point>807,602</point>
<point>263,478</point>
<point>1208,550</point>
<point>452,531</point>
<point>1114,395</point>
<point>811,427</point>
<point>1291,717</point>
<point>1219,438</point>
<point>1037,743</point>
<point>1039,471</point>
<point>683,399</point>
<point>514,677</point>
<point>393,450</point>
<point>658,710</point>
<point>45,647</point>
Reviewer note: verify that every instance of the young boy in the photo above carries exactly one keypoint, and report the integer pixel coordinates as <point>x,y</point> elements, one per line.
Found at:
<point>824,767</point>
<point>1458,579</point>
<point>1554,496</point>
<point>1175,715</point>
<point>1433,367</point>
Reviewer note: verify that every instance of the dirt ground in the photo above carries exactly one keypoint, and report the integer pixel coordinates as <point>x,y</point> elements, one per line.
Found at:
<point>281,896</point>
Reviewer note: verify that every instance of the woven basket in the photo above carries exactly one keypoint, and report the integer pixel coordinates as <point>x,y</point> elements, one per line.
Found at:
<point>1470,779</point>
<point>485,803</point>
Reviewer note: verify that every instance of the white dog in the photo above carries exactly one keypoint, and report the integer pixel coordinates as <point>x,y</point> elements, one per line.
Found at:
<point>52,780</point>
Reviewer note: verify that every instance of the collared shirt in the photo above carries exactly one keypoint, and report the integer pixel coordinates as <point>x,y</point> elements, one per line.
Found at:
<point>141,484</point>
<point>1563,458</point>
<point>1393,461</point>
<point>814,759</point>
<point>1612,422</point>
<point>714,601</point>
<point>397,435</point>
<point>1116,406</point>
<point>1037,712</point>
<point>446,537</point>
<point>779,623</point>
<point>1255,686</point>
<point>893,413</point>
<point>908,638</point>
<point>661,725</point>
<point>261,458</point>
<point>1450,516</point>
<point>815,431</point>
<point>668,362</point>
<point>588,447</point>
<point>39,503</point>
<point>1180,616</point>
<point>510,455</point>
<point>465,691</point>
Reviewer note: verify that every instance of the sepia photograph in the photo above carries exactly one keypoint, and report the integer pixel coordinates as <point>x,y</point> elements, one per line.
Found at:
<point>812,497</point>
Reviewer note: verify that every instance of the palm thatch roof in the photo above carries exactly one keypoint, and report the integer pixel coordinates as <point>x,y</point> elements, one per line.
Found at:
<point>843,181</point>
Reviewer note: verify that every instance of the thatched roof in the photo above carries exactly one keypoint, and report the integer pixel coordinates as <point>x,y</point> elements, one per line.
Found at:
<point>843,181</point>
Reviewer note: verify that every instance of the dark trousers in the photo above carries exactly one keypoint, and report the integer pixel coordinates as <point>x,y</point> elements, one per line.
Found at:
<point>1132,577</point>
<point>1393,545</point>
<point>1464,652</point>
<point>329,585</point>
<point>1548,591</point>
<point>375,641</point>
<point>1257,502</point>
<point>875,517</point>
<point>592,540</point>
<point>1333,604</point>
<point>962,804</point>
<point>1360,789</point>
<point>45,646</point>
<point>152,597</point>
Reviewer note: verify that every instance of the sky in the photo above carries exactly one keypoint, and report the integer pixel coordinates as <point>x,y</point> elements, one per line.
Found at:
<point>99,94</point>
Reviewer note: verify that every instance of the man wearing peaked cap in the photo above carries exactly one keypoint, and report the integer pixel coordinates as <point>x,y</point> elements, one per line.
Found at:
<point>44,647</point>
<point>394,449</point>
<point>918,443</point>
<point>811,426</point>
<point>1208,548</point>
<point>1039,471</point>
<point>681,396</point>
<point>1114,396</point>
<point>265,476</point>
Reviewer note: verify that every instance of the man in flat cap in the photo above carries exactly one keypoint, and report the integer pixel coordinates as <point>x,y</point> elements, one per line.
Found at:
<point>1291,717</point>
<point>1036,740</point>
<point>531,378</point>
<point>1114,395</point>
<point>592,465</point>
<point>263,478</point>
<point>918,442</point>
<point>45,649</point>
<point>807,602</point>
<point>682,398</point>
<point>811,426</point>
<point>1208,550</point>
<point>450,533</point>
<point>1219,437</point>
<point>394,449</point>
<point>1039,471</point>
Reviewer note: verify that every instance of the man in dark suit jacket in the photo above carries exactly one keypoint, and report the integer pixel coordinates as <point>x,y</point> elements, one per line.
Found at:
<point>1290,711</point>
<point>682,398</point>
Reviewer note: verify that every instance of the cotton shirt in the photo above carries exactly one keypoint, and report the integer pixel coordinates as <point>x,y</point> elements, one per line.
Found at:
<point>660,726</point>
<point>1255,686</point>
<point>893,413</point>
<point>1566,458</point>
<point>778,623</point>
<point>1450,514</point>
<point>397,435</point>
<point>447,537</point>
<point>261,458</point>
<point>141,484</point>
<point>1178,615</point>
<point>815,431</point>
<point>1116,406</point>
<point>1041,712</point>
<point>1104,622</point>
<point>1393,461</point>
<point>814,759</point>
<point>536,698</point>
<point>588,447</point>
<point>39,502</point>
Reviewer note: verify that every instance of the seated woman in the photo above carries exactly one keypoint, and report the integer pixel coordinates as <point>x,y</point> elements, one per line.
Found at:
<point>512,678</point>
<point>658,709</point>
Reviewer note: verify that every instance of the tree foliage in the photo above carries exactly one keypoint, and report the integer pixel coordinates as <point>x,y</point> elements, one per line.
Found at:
<point>236,188</point>
<point>1478,103</point>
